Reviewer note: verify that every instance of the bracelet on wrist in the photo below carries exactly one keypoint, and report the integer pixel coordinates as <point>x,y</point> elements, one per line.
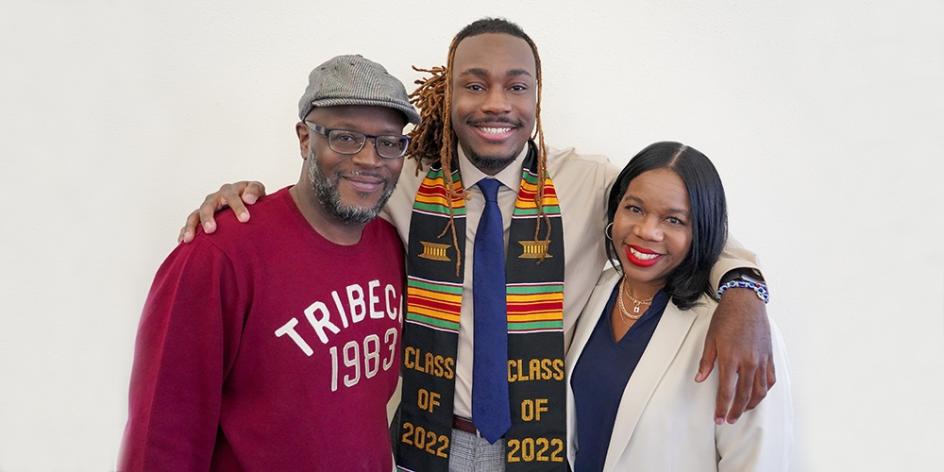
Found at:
<point>759,288</point>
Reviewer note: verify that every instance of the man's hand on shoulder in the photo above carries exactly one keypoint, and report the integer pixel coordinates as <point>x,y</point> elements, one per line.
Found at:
<point>739,339</point>
<point>236,196</point>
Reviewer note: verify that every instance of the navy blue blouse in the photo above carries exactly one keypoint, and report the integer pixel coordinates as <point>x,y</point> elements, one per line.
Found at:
<point>600,378</point>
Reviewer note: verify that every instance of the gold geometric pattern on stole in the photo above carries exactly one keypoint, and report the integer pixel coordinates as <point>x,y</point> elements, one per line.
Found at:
<point>534,249</point>
<point>435,251</point>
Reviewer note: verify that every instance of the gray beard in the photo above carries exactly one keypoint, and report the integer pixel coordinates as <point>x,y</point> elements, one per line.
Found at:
<point>330,199</point>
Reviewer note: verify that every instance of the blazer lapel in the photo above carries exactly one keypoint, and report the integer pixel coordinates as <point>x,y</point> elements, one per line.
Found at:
<point>588,320</point>
<point>661,351</point>
<point>590,315</point>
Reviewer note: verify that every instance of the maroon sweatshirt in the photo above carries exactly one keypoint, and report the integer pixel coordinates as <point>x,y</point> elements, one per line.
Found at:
<point>267,347</point>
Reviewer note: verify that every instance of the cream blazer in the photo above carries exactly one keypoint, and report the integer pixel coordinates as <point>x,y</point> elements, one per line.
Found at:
<point>665,419</point>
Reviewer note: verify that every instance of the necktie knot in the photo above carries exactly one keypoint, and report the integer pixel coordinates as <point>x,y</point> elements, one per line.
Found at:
<point>489,188</point>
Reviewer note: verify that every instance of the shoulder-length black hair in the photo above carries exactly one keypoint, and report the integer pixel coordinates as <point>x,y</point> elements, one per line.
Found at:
<point>709,217</point>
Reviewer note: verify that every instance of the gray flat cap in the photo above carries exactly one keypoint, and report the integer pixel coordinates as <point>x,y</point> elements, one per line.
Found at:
<point>354,80</point>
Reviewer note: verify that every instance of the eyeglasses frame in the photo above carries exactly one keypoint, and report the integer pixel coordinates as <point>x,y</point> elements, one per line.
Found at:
<point>326,132</point>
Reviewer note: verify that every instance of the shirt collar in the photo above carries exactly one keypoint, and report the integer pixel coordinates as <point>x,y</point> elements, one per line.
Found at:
<point>510,176</point>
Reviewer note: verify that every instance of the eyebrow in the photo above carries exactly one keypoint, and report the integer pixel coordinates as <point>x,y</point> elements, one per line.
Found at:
<point>351,126</point>
<point>483,73</point>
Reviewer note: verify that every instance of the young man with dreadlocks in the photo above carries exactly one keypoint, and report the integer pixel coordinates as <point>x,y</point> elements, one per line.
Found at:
<point>494,224</point>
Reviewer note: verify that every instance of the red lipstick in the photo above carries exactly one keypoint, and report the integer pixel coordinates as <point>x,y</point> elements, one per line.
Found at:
<point>638,261</point>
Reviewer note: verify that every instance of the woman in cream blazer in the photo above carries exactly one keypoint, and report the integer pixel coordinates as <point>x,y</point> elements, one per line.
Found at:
<point>664,420</point>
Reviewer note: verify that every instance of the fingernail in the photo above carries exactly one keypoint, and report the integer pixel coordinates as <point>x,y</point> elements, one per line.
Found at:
<point>244,217</point>
<point>208,226</point>
<point>250,199</point>
<point>719,421</point>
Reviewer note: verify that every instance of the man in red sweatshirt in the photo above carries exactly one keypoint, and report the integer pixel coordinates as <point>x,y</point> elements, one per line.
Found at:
<point>274,345</point>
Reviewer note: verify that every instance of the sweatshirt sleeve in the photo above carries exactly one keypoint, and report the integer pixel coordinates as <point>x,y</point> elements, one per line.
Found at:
<point>186,341</point>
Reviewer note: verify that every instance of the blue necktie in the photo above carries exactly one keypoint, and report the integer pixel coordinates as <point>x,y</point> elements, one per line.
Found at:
<point>491,412</point>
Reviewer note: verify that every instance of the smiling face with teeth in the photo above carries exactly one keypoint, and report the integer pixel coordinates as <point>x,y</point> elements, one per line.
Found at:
<point>651,230</point>
<point>669,221</point>
<point>347,189</point>
<point>494,98</point>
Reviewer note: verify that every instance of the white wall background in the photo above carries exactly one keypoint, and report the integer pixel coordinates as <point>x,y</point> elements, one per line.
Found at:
<point>825,119</point>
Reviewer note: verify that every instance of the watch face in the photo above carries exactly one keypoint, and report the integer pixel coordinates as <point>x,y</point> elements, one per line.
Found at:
<point>751,275</point>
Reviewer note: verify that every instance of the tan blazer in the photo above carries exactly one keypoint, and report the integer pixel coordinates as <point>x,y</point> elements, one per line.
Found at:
<point>665,419</point>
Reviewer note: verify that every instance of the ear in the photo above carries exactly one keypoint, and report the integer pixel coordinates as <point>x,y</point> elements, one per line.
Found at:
<point>304,138</point>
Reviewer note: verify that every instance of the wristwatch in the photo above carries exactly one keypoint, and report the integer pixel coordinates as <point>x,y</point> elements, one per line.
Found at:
<point>744,274</point>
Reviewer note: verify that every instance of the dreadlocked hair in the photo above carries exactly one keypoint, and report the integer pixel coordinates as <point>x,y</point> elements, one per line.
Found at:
<point>434,141</point>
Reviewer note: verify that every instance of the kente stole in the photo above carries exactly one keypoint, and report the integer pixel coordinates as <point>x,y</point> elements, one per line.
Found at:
<point>535,302</point>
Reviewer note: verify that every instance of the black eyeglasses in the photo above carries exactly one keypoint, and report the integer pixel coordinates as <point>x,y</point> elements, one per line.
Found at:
<point>348,142</point>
